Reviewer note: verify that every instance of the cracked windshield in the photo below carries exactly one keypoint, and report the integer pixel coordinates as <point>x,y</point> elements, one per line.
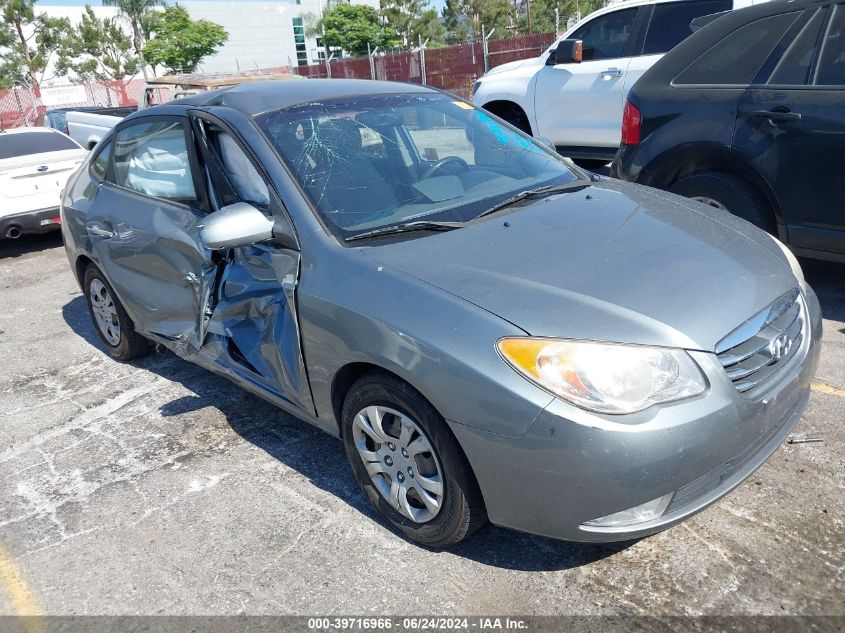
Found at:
<point>371,162</point>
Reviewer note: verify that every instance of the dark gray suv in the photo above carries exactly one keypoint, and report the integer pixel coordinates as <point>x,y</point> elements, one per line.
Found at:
<point>492,332</point>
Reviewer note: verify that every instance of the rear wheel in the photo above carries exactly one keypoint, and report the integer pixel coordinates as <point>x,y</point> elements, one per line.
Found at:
<point>111,322</point>
<point>408,463</point>
<point>727,192</point>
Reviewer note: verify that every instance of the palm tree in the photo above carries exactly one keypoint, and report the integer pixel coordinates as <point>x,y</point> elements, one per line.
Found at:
<point>134,11</point>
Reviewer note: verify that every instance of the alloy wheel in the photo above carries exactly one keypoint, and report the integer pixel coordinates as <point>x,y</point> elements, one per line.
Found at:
<point>400,460</point>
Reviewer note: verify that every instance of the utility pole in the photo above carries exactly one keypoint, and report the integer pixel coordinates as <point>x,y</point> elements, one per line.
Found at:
<point>422,58</point>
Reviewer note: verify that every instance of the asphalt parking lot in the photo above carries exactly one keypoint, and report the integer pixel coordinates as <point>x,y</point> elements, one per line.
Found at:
<point>157,487</point>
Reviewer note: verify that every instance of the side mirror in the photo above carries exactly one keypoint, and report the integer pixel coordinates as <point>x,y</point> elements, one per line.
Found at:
<point>545,140</point>
<point>567,52</point>
<point>238,224</point>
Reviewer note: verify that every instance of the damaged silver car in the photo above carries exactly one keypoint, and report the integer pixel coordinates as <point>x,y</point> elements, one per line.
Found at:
<point>493,333</point>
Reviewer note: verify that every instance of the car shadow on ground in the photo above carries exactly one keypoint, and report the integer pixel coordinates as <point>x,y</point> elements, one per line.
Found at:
<point>29,244</point>
<point>315,455</point>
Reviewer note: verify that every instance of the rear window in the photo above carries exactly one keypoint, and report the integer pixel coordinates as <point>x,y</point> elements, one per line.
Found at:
<point>26,143</point>
<point>670,23</point>
<point>737,58</point>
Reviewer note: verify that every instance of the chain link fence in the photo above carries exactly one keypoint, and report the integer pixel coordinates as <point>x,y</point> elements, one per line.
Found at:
<point>452,68</point>
<point>24,105</point>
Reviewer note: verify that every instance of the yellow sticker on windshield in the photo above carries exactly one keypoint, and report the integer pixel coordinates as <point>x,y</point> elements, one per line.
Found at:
<point>465,106</point>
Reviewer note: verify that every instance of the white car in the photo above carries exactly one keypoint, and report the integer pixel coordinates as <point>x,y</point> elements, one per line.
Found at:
<point>35,164</point>
<point>577,105</point>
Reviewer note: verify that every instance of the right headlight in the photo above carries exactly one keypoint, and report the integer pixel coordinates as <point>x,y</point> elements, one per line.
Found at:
<point>605,377</point>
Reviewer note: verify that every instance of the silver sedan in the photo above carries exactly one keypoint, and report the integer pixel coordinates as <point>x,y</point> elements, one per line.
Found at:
<point>493,333</point>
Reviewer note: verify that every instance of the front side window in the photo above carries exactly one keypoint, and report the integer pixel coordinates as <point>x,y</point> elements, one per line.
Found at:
<point>29,143</point>
<point>832,63</point>
<point>736,59</point>
<point>247,183</point>
<point>605,37</point>
<point>793,69</point>
<point>152,158</point>
<point>670,23</point>
<point>373,161</point>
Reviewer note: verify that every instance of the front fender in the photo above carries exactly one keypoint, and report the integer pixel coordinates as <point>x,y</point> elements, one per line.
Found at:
<point>440,344</point>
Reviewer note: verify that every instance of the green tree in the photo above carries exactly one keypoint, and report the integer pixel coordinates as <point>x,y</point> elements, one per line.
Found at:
<point>472,14</point>
<point>180,43</point>
<point>137,13</point>
<point>28,42</point>
<point>454,22</point>
<point>543,12</point>
<point>414,21</point>
<point>99,50</point>
<point>353,26</point>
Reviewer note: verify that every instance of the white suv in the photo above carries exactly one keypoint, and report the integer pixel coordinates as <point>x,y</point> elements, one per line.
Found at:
<point>578,105</point>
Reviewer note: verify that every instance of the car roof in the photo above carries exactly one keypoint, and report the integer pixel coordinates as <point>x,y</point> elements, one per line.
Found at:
<point>260,96</point>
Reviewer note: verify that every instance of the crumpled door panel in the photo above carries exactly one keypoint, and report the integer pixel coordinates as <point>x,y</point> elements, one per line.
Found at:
<point>256,312</point>
<point>152,255</point>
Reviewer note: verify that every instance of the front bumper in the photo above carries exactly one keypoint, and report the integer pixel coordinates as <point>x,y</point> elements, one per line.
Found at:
<point>38,221</point>
<point>573,466</point>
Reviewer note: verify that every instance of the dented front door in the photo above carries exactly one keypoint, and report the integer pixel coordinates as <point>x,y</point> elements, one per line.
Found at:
<point>144,231</point>
<point>253,330</point>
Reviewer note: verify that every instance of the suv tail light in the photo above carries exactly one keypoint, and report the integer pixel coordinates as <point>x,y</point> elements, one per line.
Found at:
<point>631,120</point>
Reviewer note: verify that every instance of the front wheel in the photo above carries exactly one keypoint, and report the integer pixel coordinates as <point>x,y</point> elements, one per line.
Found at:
<point>408,463</point>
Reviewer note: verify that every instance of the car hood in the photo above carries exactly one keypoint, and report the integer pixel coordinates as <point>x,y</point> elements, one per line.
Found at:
<point>612,262</point>
<point>508,66</point>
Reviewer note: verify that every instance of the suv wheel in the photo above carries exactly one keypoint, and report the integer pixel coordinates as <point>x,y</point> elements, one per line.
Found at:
<point>408,463</point>
<point>113,325</point>
<point>730,193</point>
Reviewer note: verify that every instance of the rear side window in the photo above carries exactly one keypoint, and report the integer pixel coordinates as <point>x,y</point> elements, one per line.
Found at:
<point>605,37</point>
<point>832,63</point>
<point>670,23</point>
<point>736,59</point>
<point>28,143</point>
<point>793,69</point>
<point>152,158</point>
<point>100,164</point>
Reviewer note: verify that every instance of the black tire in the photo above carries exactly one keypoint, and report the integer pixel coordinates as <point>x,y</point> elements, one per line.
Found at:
<point>590,164</point>
<point>461,510</point>
<point>734,193</point>
<point>131,344</point>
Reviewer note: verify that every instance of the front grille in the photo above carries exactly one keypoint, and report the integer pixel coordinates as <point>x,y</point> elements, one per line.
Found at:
<point>758,348</point>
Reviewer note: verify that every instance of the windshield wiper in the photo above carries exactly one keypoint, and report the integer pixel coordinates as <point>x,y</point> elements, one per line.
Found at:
<point>530,193</point>
<point>406,227</point>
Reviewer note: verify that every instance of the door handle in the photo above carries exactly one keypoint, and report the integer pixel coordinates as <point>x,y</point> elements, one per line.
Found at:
<point>775,115</point>
<point>611,73</point>
<point>97,230</point>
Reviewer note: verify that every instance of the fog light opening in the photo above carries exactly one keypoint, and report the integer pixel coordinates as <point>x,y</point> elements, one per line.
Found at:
<point>643,513</point>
